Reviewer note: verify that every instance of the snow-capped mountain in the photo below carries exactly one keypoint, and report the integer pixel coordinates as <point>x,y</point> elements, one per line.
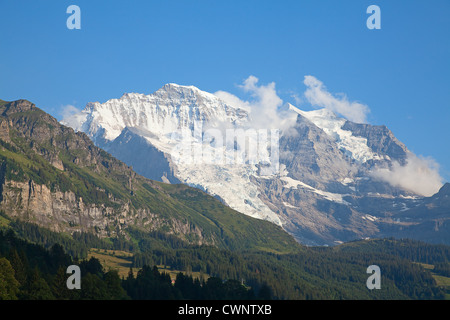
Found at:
<point>315,179</point>
<point>170,109</point>
<point>171,119</point>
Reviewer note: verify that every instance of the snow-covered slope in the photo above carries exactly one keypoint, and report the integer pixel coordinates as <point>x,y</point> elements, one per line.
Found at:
<point>175,120</point>
<point>170,109</point>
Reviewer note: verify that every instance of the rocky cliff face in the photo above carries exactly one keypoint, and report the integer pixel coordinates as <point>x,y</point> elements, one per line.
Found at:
<point>35,135</point>
<point>311,156</point>
<point>380,139</point>
<point>66,212</point>
<point>60,211</point>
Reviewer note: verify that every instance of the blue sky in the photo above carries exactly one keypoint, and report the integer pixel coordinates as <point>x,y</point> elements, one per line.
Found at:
<point>401,72</point>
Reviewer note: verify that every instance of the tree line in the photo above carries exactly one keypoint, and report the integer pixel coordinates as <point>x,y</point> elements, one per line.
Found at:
<point>31,272</point>
<point>313,273</point>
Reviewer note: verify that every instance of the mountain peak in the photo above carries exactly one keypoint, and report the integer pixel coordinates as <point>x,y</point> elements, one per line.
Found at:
<point>172,85</point>
<point>316,115</point>
<point>128,95</point>
<point>22,105</point>
<point>170,109</point>
<point>445,189</point>
<point>176,91</point>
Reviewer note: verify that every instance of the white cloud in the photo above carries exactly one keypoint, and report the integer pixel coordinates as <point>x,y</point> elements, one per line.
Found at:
<point>232,100</point>
<point>317,94</point>
<point>264,108</point>
<point>419,175</point>
<point>68,111</point>
<point>298,99</point>
<point>72,117</point>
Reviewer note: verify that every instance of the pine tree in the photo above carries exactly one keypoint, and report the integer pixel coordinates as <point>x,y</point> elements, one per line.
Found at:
<point>9,286</point>
<point>19,267</point>
<point>37,288</point>
<point>59,286</point>
<point>114,286</point>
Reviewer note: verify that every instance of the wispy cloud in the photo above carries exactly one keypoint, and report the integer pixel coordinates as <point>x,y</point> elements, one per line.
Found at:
<point>68,111</point>
<point>72,116</point>
<point>234,101</point>
<point>264,107</point>
<point>419,175</point>
<point>317,94</point>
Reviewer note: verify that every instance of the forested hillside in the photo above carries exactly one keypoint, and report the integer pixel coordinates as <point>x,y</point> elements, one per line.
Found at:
<point>314,273</point>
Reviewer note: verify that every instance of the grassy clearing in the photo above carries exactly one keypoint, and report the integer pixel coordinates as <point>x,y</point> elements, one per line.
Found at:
<point>4,222</point>
<point>441,281</point>
<point>115,260</point>
<point>426,266</point>
<point>122,261</point>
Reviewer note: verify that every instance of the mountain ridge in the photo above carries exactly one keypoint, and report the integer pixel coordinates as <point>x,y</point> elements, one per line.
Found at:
<point>325,191</point>
<point>55,177</point>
